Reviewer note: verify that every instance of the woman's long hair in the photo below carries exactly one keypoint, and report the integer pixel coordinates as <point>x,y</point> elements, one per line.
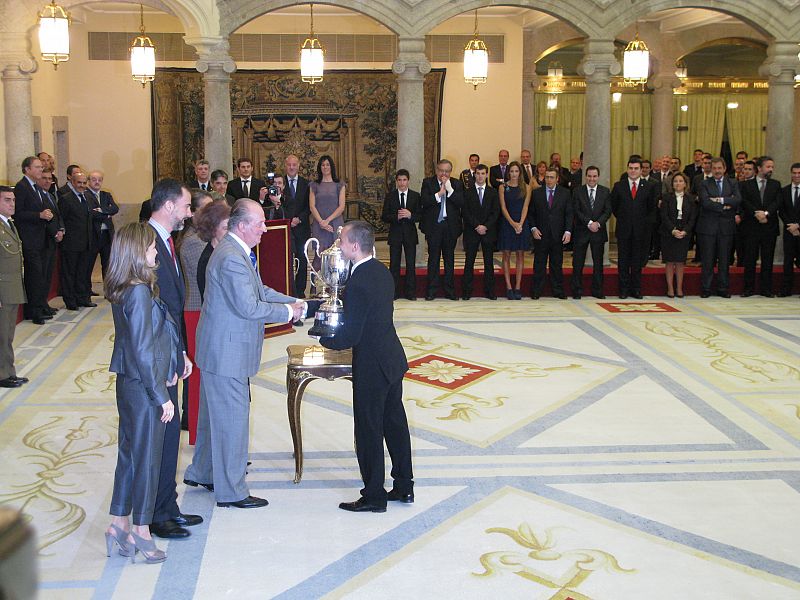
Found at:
<point>319,168</point>
<point>128,262</point>
<point>523,188</point>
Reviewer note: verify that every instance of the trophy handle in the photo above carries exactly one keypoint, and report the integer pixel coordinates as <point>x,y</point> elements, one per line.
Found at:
<point>295,265</point>
<point>315,251</point>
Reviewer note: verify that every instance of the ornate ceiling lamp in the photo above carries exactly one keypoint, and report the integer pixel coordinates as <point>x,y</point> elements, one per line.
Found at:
<point>54,34</point>
<point>312,57</point>
<point>476,59</point>
<point>143,55</point>
<point>636,61</point>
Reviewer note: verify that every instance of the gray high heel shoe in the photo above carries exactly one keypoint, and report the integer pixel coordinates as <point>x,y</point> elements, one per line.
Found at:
<point>148,549</point>
<point>121,538</point>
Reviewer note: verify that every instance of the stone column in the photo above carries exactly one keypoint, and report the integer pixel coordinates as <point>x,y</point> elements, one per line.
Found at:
<point>17,66</point>
<point>529,81</point>
<point>598,66</point>
<point>780,69</point>
<point>216,65</point>
<point>663,115</point>
<point>411,67</point>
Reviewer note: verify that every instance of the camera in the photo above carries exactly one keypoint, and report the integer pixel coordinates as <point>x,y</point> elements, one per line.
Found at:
<point>273,190</point>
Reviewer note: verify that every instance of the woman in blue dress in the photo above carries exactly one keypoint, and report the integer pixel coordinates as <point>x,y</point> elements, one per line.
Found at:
<point>515,234</point>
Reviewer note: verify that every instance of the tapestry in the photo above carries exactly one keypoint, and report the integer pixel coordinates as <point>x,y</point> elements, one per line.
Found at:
<point>351,116</point>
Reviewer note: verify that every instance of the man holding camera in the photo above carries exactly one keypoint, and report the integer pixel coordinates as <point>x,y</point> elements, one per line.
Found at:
<point>271,197</point>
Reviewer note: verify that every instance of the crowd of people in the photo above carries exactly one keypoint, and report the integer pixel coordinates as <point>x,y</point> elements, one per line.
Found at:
<point>661,212</point>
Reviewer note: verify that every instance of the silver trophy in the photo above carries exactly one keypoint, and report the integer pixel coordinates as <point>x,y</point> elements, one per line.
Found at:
<point>333,272</point>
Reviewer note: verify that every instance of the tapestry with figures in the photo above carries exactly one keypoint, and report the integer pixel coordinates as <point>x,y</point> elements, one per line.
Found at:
<point>351,116</point>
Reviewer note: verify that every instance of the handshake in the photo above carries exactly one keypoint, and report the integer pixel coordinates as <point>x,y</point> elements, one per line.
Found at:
<point>303,309</point>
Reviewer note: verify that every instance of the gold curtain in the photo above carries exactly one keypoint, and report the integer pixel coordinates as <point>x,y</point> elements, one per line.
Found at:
<point>566,135</point>
<point>746,123</point>
<point>705,119</point>
<point>633,111</point>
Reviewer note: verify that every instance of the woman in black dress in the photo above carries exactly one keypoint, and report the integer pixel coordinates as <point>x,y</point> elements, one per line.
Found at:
<point>679,211</point>
<point>515,198</point>
<point>212,225</point>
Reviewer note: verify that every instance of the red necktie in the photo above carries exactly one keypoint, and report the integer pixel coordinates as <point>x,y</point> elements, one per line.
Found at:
<point>633,191</point>
<point>172,250</point>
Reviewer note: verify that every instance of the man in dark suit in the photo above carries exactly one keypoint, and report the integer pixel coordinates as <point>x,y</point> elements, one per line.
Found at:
<point>564,176</point>
<point>54,230</point>
<point>528,169</point>
<point>480,213</point>
<point>219,184</point>
<point>498,174</point>
<point>49,164</point>
<point>78,248</point>
<point>202,176</point>
<point>71,170</point>
<point>695,168</point>
<point>401,209</point>
<point>170,202</point>
<point>245,185</point>
<point>592,206</point>
<point>790,214</point>
<point>297,209</point>
<point>467,176</point>
<point>761,198</point>
<point>379,364</point>
<point>550,218</point>
<point>719,200</point>
<point>705,173</point>
<point>440,221</point>
<point>633,203</point>
<point>32,217</point>
<point>12,291</point>
<point>103,226</point>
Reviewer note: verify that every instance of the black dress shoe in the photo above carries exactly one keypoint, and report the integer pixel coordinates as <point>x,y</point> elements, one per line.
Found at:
<point>39,320</point>
<point>50,311</point>
<point>576,296</point>
<point>623,296</point>
<point>637,296</point>
<point>724,294</point>
<point>249,502</point>
<point>187,520</point>
<point>535,296</point>
<point>395,496</point>
<point>599,296</point>
<point>87,304</point>
<point>747,293</point>
<point>704,294</point>
<point>10,383</point>
<point>362,505</point>
<point>768,295</point>
<point>169,530</point>
<point>451,296</point>
<point>466,297</point>
<point>71,307</point>
<point>20,379</point>
<point>411,297</point>
<point>430,297</point>
<point>491,297</point>
<point>208,486</point>
<point>561,296</point>
<point>298,323</point>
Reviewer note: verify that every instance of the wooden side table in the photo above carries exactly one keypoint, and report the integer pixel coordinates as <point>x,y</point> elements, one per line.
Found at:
<point>304,365</point>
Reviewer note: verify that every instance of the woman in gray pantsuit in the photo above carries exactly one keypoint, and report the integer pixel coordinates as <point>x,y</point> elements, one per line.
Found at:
<point>144,359</point>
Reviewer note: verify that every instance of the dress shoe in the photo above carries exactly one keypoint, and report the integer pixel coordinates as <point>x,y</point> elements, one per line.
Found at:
<point>784,295</point>
<point>599,296</point>
<point>517,294</point>
<point>208,486</point>
<point>747,293</point>
<point>679,295</point>
<point>670,295</point>
<point>466,297</point>
<point>249,502</point>
<point>169,530</point>
<point>623,296</point>
<point>535,296</point>
<point>561,296</point>
<point>510,295</point>
<point>768,295</point>
<point>411,297</point>
<point>430,297</point>
<point>187,520</point>
<point>298,323</point>
<point>637,296</point>
<point>50,311</point>
<point>395,496</point>
<point>724,294</point>
<point>10,383</point>
<point>704,294</point>
<point>20,379</point>
<point>38,320</point>
<point>71,307</point>
<point>491,297</point>
<point>362,505</point>
<point>87,304</point>
<point>576,296</point>
<point>451,296</point>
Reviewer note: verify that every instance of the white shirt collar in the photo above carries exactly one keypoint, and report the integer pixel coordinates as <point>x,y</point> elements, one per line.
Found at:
<point>591,188</point>
<point>162,233</point>
<point>5,219</point>
<point>355,265</point>
<point>247,249</point>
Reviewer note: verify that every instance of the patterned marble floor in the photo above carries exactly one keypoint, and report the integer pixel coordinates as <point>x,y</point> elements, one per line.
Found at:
<point>563,449</point>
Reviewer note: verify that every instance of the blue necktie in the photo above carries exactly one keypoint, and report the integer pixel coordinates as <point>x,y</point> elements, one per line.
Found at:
<point>254,260</point>
<point>719,186</point>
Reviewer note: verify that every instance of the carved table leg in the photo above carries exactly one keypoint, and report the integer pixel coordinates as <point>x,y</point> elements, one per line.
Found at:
<point>296,385</point>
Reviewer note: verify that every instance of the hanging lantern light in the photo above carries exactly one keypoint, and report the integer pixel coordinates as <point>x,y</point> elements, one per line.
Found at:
<point>616,97</point>
<point>476,59</point>
<point>555,70</point>
<point>54,34</point>
<point>312,57</point>
<point>143,55</point>
<point>636,61</point>
<point>681,70</point>
<point>552,102</point>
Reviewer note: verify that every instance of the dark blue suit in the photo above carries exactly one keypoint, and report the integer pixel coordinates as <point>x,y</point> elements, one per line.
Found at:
<point>379,364</point>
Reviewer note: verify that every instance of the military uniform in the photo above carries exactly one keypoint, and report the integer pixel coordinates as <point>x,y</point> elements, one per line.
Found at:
<point>12,294</point>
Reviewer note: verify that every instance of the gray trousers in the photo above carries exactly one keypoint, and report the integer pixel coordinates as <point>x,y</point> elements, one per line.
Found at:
<point>8,325</point>
<point>223,436</point>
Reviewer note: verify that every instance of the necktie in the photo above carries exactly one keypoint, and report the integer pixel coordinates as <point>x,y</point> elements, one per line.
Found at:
<point>480,195</point>
<point>549,198</point>
<point>45,197</point>
<point>761,186</point>
<point>442,213</point>
<point>796,194</point>
<point>292,183</point>
<point>246,187</point>
<point>253,259</point>
<point>633,191</point>
<point>83,200</point>
<point>172,251</point>
<point>528,170</point>
<point>402,199</point>
<point>591,198</point>
<point>204,186</point>
<point>14,229</point>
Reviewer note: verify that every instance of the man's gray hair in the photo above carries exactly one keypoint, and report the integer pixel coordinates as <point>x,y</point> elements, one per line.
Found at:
<point>361,233</point>
<point>240,213</point>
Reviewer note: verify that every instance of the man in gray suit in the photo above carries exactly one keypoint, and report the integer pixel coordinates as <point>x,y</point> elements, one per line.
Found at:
<point>229,340</point>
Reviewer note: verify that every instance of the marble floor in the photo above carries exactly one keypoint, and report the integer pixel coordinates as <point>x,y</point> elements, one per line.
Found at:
<point>562,449</point>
